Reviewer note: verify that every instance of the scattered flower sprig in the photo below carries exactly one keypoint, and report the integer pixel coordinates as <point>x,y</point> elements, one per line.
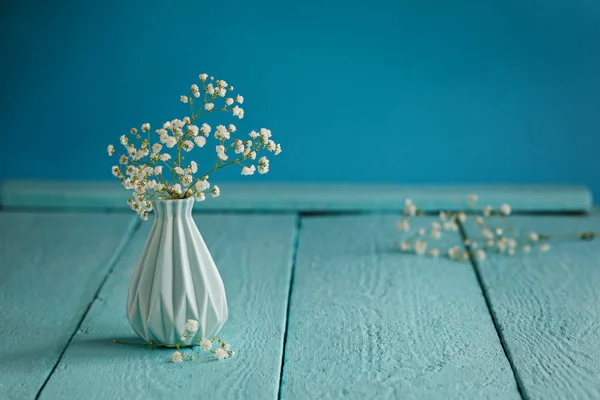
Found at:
<point>494,234</point>
<point>157,167</point>
<point>217,346</point>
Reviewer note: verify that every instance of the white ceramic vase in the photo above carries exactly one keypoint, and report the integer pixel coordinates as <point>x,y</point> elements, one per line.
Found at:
<point>175,279</point>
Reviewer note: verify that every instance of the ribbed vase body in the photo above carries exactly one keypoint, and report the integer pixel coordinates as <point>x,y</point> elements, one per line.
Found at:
<point>175,279</point>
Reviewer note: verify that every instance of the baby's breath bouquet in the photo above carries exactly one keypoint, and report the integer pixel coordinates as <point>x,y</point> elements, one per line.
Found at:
<point>176,277</point>
<point>156,166</point>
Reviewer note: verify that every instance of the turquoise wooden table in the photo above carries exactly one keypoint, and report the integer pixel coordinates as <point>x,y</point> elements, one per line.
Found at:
<point>322,304</point>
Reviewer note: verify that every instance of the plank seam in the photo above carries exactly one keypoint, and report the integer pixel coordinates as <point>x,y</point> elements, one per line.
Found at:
<point>488,303</point>
<point>112,263</point>
<point>296,240</point>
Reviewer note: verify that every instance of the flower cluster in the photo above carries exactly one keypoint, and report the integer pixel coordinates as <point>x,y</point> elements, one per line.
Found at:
<point>493,234</point>
<point>217,346</point>
<point>221,351</point>
<point>157,168</point>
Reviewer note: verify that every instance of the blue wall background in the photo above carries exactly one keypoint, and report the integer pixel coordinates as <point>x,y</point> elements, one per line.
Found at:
<point>432,92</point>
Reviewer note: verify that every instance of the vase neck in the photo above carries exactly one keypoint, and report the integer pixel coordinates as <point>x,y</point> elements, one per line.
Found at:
<point>166,208</point>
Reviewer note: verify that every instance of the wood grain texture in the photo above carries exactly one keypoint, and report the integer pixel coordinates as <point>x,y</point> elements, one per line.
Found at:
<point>305,197</point>
<point>368,322</point>
<point>547,306</point>
<point>50,268</point>
<point>254,255</point>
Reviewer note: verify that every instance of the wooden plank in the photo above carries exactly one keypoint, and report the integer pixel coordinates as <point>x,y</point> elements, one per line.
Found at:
<point>50,268</point>
<point>547,306</point>
<point>254,256</point>
<point>369,322</point>
<point>306,197</point>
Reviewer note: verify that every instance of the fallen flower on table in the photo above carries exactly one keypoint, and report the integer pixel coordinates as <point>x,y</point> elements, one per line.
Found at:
<point>493,236</point>
<point>221,351</point>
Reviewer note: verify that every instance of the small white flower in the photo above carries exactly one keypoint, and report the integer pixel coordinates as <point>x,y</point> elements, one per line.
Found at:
<point>186,180</point>
<point>271,145</point>
<point>473,198</point>
<point>487,211</point>
<point>442,216</point>
<point>420,247</point>
<point>252,155</point>
<point>192,130</point>
<point>123,160</point>
<point>421,231</point>
<point>221,83</point>
<point>436,234</point>
<point>499,231</point>
<point>187,120</point>
<point>453,252</point>
<point>277,149</point>
<point>200,141</point>
<point>253,135</point>
<point>133,131</point>
<point>227,347</point>
<point>201,186</point>
<point>123,139</point>
<point>177,357</point>
<point>194,167</point>
<point>248,170</point>
<point>239,99</point>
<point>170,142</point>
<point>222,133</point>
<point>110,149</point>
<point>505,209</point>
<point>403,225</point>
<point>404,246</point>
<point>209,106</point>
<point>239,148</point>
<point>462,217</point>
<point>210,89</point>
<point>165,157</point>
<point>511,252</point>
<point>480,255</point>
<point>435,226</point>
<point>229,101</point>
<point>223,156</point>
<point>434,253</point>
<point>263,169</point>
<point>221,354</point>
<point>237,112</point>
<point>534,237</point>
<point>487,233</point>
<point>176,188</point>
<point>512,243</point>
<point>200,197</point>
<point>479,221</point>
<point>179,170</point>
<point>206,344</point>
<point>231,128</point>
<point>544,247</point>
<point>203,77</point>
<point>191,325</point>
<point>156,147</point>
<point>188,145</point>
<point>205,129</point>
<point>410,209</point>
<point>194,88</point>
<point>221,92</point>
<point>116,171</point>
<point>216,192</point>
<point>527,248</point>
